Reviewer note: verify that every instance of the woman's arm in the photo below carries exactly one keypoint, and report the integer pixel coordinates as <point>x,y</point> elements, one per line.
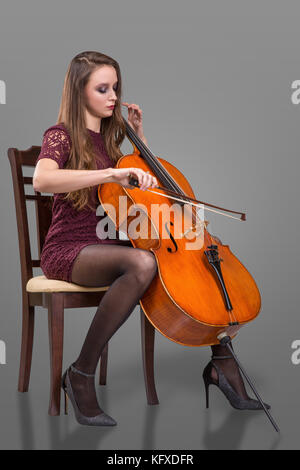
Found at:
<point>49,178</point>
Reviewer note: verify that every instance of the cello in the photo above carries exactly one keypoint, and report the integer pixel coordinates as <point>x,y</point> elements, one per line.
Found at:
<point>202,294</point>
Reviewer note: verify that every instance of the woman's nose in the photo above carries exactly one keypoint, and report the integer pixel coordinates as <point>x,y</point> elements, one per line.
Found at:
<point>113,95</point>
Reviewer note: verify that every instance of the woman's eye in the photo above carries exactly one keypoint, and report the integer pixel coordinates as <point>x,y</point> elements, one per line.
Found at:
<point>104,90</point>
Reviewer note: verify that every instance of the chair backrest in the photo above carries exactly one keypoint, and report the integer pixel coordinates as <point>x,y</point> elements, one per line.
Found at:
<point>43,209</point>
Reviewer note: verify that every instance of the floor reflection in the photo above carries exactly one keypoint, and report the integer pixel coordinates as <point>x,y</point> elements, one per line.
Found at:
<point>60,434</point>
<point>26,426</point>
<point>231,433</point>
<point>151,415</point>
<point>65,433</point>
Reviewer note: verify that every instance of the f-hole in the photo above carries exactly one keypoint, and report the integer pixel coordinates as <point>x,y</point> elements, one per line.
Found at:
<point>172,239</point>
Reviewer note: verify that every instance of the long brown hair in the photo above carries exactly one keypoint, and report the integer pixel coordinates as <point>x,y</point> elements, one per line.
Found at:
<point>71,115</point>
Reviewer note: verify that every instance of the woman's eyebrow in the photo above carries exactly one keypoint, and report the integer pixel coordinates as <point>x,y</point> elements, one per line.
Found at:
<point>105,84</point>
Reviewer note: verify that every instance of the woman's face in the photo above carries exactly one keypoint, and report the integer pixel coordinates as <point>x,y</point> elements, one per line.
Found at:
<point>100,91</point>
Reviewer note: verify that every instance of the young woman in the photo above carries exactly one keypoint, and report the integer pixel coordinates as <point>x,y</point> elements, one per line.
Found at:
<point>78,153</point>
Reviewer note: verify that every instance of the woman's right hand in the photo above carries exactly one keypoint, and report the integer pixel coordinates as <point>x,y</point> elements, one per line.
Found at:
<point>145,179</point>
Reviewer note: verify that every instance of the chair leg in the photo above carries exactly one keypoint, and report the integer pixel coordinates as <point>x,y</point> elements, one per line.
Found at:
<point>56,336</point>
<point>103,366</point>
<point>26,348</point>
<point>147,335</point>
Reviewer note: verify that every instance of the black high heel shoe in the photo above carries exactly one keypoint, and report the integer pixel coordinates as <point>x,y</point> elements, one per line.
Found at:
<point>234,399</point>
<point>100,420</point>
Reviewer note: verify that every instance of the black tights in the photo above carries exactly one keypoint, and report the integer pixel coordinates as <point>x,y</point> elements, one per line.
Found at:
<point>129,272</point>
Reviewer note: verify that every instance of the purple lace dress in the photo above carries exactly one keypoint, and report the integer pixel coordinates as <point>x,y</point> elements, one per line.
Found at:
<point>70,230</point>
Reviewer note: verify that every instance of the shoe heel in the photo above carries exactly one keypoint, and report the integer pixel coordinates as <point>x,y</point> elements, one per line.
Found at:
<point>234,399</point>
<point>63,386</point>
<point>100,420</point>
<point>207,384</point>
<point>66,402</point>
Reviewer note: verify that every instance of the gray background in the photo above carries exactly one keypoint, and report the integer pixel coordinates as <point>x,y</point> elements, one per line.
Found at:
<point>214,82</point>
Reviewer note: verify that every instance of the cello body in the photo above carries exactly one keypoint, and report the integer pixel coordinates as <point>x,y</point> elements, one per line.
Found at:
<point>185,301</point>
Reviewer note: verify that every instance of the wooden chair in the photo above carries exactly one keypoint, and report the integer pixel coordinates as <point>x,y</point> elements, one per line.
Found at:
<point>56,295</point>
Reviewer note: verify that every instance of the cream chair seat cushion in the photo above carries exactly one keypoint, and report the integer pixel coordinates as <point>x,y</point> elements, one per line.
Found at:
<point>43,284</point>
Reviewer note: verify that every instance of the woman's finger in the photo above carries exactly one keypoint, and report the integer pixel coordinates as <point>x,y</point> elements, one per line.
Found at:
<point>145,179</point>
<point>153,180</point>
<point>149,181</point>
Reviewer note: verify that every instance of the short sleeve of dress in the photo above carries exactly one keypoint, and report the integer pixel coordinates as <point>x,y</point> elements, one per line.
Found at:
<point>56,146</point>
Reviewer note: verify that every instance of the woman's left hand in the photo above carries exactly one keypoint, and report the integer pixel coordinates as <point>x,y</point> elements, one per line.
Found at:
<point>135,119</point>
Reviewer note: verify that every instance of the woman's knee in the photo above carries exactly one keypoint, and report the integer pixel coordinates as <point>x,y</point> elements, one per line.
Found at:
<point>145,264</point>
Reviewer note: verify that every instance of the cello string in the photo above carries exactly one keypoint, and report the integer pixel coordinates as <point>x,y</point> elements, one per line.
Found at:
<point>160,168</point>
<point>158,165</point>
<point>154,160</point>
<point>167,177</point>
<point>172,183</point>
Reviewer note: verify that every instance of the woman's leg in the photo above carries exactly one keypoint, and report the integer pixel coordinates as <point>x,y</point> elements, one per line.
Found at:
<point>229,369</point>
<point>129,272</point>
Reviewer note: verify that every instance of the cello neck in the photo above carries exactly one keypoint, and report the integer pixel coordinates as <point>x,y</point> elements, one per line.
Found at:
<point>160,172</point>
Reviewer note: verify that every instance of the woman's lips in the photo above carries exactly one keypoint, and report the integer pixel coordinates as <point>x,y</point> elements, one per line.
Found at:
<point>110,107</point>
